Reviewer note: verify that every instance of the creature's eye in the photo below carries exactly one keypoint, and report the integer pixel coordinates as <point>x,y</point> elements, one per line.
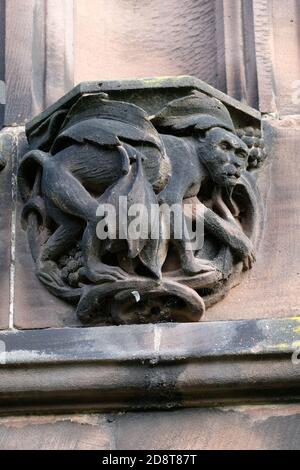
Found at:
<point>225,145</point>
<point>241,153</point>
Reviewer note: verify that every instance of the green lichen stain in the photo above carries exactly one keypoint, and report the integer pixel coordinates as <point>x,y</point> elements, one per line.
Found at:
<point>296,318</point>
<point>283,346</point>
<point>297,328</point>
<point>293,330</point>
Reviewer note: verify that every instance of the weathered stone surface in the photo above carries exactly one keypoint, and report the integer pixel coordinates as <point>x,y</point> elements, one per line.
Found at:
<point>262,427</point>
<point>252,53</point>
<point>18,61</point>
<point>276,26</point>
<point>7,155</point>
<point>78,432</point>
<point>149,366</point>
<point>38,57</point>
<point>253,58</point>
<point>236,428</point>
<point>144,43</point>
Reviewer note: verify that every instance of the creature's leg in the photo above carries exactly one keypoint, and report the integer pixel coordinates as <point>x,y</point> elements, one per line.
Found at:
<point>60,242</point>
<point>95,269</point>
<point>231,235</point>
<point>57,244</point>
<point>67,193</point>
<point>190,264</point>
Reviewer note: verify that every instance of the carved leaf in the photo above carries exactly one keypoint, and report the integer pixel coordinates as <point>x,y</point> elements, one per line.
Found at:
<point>137,190</point>
<point>155,252</point>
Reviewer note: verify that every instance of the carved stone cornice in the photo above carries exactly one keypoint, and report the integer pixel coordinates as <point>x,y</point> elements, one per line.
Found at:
<point>149,366</point>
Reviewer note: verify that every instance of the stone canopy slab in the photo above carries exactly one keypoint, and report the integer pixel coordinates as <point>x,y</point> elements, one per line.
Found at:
<point>149,93</point>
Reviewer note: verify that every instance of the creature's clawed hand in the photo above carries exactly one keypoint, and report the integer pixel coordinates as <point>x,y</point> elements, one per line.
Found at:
<point>249,260</point>
<point>197,266</point>
<point>49,273</point>
<point>247,253</point>
<point>102,273</point>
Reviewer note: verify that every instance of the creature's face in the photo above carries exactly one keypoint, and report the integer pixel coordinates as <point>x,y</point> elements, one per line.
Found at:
<point>224,155</point>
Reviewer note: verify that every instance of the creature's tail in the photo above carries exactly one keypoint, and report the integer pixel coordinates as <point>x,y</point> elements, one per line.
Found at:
<point>29,170</point>
<point>29,181</point>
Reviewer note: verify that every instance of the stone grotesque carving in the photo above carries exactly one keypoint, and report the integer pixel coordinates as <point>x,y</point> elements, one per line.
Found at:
<point>87,153</point>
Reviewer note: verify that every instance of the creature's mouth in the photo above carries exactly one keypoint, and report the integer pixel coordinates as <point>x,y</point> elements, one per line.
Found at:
<point>231,177</point>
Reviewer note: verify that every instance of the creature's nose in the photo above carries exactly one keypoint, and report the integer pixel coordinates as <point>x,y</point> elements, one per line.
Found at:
<point>234,170</point>
<point>238,167</point>
<point>237,164</point>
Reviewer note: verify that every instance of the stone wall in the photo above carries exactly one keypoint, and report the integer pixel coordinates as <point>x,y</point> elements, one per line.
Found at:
<point>246,48</point>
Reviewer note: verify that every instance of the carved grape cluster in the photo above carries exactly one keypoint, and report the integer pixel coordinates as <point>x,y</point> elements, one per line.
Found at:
<point>70,265</point>
<point>252,137</point>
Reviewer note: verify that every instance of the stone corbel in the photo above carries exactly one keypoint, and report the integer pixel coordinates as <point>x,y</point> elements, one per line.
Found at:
<point>169,142</point>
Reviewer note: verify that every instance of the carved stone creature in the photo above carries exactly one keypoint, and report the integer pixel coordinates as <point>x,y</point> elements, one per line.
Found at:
<point>201,143</point>
<point>101,149</point>
<point>92,152</point>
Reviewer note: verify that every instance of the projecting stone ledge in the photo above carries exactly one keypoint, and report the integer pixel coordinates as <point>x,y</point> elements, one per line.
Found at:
<point>150,366</point>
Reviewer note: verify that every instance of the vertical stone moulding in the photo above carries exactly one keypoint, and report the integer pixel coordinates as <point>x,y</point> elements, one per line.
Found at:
<point>6,155</point>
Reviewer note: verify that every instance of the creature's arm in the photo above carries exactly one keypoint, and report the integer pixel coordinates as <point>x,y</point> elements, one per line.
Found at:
<point>228,233</point>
